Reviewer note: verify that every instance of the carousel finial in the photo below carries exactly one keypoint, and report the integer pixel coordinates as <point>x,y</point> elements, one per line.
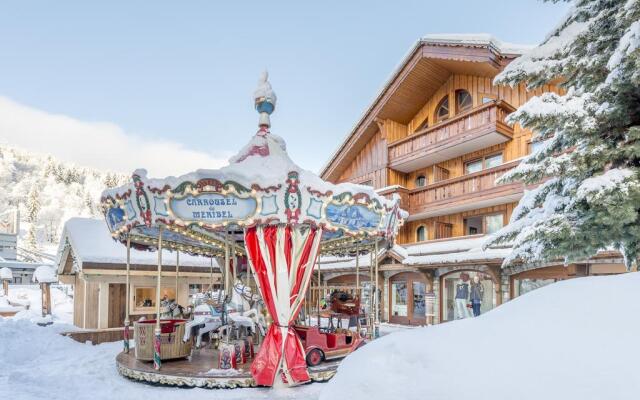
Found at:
<point>265,101</point>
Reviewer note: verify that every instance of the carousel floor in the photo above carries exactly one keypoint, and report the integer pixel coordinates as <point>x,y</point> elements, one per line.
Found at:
<point>200,370</point>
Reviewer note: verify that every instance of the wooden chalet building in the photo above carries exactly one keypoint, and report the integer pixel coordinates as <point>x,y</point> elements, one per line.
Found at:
<point>436,136</point>
<point>95,264</point>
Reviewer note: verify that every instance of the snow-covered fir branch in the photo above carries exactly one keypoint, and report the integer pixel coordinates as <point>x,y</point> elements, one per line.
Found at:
<point>584,192</point>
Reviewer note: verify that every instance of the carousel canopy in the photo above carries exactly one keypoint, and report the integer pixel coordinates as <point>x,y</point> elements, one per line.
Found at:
<point>201,211</point>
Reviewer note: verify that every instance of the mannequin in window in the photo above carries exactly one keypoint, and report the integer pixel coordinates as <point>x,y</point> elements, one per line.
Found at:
<point>462,296</point>
<point>476,294</point>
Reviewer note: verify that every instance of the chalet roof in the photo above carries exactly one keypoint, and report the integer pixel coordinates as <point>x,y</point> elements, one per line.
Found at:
<point>426,67</point>
<point>91,242</point>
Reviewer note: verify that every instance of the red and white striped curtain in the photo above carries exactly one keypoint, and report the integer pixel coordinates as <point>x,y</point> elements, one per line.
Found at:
<point>282,260</point>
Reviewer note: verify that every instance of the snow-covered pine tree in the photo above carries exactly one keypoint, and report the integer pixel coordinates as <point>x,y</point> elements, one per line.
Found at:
<point>587,164</point>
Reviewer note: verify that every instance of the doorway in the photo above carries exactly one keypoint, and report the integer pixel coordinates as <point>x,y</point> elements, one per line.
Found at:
<point>407,299</point>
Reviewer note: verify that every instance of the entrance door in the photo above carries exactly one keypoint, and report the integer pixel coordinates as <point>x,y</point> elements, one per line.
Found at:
<point>407,299</point>
<point>117,301</point>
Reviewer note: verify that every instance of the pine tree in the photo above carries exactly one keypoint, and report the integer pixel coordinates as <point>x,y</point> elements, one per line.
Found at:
<point>33,209</point>
<point>587,165</point>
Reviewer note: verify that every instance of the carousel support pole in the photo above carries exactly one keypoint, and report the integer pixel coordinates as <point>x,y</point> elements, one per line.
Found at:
<point>358,284</point>
<point>177,273</point>
<point>377,295</point>
<point>157,362</point>
<point>227,269</point>
<point>232,256</point>
<point>371,293</point>
<point>319,282</point>
<point>127,321</point>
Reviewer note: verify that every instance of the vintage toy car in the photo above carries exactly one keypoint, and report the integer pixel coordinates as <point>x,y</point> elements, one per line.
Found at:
<point>322,344</point>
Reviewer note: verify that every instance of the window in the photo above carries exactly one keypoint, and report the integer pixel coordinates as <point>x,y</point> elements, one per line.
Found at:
<point>421,181</point>
<point>442,110</point>
<point>493,161</point>
<point>144,297</point>
<point>473,225</point>
<point>463,101</point>
<point>421,234</point>
<point>473,166</point>
<point>480,224</point>
<point>423,125</point>
<point>367,183</point>
<point>399,299</point>
<point>534,146</point>
<point>488,98</point>
<point>494,222</point>
<point>483,163</point>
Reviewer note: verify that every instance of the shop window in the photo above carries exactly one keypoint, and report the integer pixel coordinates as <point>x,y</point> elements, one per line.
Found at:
<point>494,222</point>
<point>421,181</point>
<point>399,299</point>
<point>419,300</point>
<point>144,297</point>
<point>523,286</point>
<point>442,110</point>
<point>421,234</point>
<point>464,101</point>
<point>457,294</point>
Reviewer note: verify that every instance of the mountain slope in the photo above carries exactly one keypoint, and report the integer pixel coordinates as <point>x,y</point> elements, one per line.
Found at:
<point>48,192</point>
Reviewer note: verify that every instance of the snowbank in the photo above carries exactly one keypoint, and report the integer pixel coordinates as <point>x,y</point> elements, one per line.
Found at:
<point>37,363</point>
<point>571,340</point>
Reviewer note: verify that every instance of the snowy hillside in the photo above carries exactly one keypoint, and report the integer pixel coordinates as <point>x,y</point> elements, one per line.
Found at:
<point>575,339</point>
<point>48,192</point>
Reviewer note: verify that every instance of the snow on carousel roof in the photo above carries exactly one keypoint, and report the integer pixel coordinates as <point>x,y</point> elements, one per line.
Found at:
<point>91,242</point>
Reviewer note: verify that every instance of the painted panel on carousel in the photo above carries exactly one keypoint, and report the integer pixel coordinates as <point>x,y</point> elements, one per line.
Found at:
<point>115,218</point>
<point>352,216</point>
<point>213,207</point>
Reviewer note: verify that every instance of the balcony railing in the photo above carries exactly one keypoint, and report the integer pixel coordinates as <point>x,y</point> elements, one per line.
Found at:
<point>466,192</point>
<point>477,128</point>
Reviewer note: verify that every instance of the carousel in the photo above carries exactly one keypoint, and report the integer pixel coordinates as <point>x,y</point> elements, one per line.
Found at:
<point>266,221</point>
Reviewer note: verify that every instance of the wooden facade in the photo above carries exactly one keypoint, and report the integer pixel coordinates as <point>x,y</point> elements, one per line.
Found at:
<point>437,136</point>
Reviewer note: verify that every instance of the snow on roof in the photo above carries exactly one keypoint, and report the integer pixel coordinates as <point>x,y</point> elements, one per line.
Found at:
<point>5,273</point>
<point>434,252</point>
<point>475,39</point>
<point>91,242</point>
<point>44,274</point>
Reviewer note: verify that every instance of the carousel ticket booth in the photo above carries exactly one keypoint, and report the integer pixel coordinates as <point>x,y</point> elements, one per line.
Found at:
<point>278,217</point>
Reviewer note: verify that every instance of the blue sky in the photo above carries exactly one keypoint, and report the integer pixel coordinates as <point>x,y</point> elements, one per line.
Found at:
<point>183,72</point>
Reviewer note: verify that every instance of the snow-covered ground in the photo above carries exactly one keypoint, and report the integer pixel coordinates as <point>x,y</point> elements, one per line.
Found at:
<point>571,340</point>
<point>575,339</point>
<point>30,297</point>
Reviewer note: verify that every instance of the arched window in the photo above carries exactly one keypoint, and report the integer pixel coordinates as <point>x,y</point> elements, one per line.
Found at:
<point>463,101</point>
<point>421,234</point>
<point>442,110</point>
<point>421,181</point>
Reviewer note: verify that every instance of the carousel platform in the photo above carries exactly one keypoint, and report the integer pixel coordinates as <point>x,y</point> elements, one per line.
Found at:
<point>200,370</point>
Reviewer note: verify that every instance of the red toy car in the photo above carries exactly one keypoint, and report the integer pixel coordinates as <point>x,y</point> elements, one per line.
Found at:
<point>322,344</point>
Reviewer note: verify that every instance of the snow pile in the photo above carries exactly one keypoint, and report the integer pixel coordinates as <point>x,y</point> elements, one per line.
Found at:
<point>5,273</point>
<point>570,340</point>
<point>28,298</point>
<point>45,274</point>
<point>38,363</point>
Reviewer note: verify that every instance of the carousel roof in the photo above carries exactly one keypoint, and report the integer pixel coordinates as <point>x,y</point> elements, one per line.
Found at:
<point>201,211</point>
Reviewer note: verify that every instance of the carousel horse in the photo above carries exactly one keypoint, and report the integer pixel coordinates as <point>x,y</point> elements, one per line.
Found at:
<point>218,317</point>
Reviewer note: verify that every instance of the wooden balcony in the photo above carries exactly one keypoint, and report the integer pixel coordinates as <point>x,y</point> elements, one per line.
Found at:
<point>475,129</point>
<point>463,193</point>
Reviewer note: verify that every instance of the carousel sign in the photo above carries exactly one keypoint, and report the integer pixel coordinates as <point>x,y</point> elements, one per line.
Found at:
<point>213,207</point>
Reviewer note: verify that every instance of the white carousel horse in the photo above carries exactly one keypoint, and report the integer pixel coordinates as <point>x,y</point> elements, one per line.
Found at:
<point>237,313</point>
